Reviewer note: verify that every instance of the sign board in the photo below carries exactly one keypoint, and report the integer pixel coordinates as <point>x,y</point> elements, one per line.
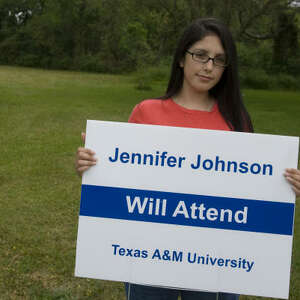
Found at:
<point>187,208</point>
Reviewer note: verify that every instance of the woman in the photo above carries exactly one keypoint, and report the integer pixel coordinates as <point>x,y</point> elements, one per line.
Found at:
<point>203,92</point>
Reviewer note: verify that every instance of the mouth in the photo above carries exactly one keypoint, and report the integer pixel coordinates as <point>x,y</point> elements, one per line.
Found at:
<point>203,77</point>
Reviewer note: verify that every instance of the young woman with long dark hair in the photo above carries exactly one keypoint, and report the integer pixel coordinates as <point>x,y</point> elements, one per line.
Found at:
<point>203,92</point>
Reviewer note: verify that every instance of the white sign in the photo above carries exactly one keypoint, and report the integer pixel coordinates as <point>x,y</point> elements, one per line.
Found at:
<point>187,208</point>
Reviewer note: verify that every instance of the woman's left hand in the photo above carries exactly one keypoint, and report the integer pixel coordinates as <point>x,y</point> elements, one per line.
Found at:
<point>293,177</point>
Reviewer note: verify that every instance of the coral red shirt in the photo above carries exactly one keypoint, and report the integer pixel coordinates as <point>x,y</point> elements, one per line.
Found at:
<point>169,113</point>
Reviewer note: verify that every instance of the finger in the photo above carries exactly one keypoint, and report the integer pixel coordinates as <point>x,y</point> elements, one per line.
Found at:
<point>293,175</point>
<point>83,136</point>
<point>81,170</point>
<point>297,191</point>
<point>86,156</point>
<point>292,171</point>
<point>295,185</point>
<point>83,163</point>
<point>85,150</point>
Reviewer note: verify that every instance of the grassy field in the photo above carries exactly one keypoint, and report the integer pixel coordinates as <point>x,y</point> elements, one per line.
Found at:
<point>41,116</point>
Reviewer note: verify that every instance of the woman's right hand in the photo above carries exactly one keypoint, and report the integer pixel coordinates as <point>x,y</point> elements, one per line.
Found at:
<point>84,158</point>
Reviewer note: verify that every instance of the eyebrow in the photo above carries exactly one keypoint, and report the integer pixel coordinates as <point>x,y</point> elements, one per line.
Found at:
<point>201,49</point>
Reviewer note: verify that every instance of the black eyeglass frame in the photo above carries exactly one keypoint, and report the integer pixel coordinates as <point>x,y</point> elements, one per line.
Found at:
<point>207,60</point>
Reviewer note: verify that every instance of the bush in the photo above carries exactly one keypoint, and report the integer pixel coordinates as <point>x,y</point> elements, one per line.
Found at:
<point>146,76</point>
<point>259,55</point>
<point>45,62</point>
<point>256,79</point>
<point>92,63</point>
<point>294,65</point>
<point>9,50</point>
<point>134,47</point>
<point>143,80</point>
<point>28,60</point>
<point>63,63</point>
<point>159,73</point>
<point>260,79</point>
<point>286,81</point>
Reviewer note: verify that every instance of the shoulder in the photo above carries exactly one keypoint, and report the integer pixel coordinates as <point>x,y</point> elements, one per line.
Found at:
<point>143,111</point>
<point>149,104</point>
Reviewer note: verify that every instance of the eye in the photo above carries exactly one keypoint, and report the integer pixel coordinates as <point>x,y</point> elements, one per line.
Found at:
<point>220,60</point>
<point>200,55</point>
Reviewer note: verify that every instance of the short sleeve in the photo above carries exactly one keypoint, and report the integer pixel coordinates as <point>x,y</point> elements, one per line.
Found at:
<point>146,112</point>
<point>136,115</point>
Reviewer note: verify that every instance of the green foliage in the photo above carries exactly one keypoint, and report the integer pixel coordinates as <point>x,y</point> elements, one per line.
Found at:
<point>146,77</point>
<point>9,50</point>
<point>259,79</point>
<point>28,60</point>
<point>143,82</point>
<point>255,78</point>
<point>61,63</point>
<point>286,81</point>
<point>289,66</point>
<point>133,46</point>
<point>92,63</point>
<point>255,54</point>
<point>258,71</point>
<point>293,64</point>
<point>123,35</point>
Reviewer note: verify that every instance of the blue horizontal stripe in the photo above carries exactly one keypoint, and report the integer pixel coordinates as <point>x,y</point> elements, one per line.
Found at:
<point>262,216</point>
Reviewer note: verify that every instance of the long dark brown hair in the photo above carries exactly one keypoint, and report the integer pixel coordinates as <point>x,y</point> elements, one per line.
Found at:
<point>227,91</point>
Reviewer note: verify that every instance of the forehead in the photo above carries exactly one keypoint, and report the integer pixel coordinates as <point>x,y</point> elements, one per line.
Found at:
<point>210,43</point>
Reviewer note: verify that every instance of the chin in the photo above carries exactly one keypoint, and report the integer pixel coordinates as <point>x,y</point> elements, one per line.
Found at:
<point>203,89</point>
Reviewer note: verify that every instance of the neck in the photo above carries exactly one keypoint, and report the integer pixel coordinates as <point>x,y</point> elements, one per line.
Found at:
<point>196,101</point>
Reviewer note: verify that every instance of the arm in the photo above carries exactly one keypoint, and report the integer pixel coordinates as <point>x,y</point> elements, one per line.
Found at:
<point>84,158</point>
<point>293,177</point>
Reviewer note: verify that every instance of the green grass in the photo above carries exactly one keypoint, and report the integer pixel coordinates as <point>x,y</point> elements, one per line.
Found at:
<point>41,116</point>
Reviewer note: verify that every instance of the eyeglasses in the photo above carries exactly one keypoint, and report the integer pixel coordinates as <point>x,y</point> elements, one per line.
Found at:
<point>218,61</point>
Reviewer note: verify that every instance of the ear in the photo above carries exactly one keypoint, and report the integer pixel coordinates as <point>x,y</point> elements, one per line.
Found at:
<point>181,63</point>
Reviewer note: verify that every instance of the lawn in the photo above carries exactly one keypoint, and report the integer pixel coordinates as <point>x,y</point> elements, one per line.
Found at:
<point>41,116</point>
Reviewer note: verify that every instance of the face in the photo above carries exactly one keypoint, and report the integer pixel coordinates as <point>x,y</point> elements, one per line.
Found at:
<point>201,77</point>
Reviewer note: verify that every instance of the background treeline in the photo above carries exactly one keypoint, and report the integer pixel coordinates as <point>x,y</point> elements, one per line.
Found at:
<point>118,36</point>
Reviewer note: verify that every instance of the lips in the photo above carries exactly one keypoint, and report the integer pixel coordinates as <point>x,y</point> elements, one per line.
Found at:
<point>203,77</point>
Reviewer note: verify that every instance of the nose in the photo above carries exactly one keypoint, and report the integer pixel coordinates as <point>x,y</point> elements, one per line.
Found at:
<point>209,64</point>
